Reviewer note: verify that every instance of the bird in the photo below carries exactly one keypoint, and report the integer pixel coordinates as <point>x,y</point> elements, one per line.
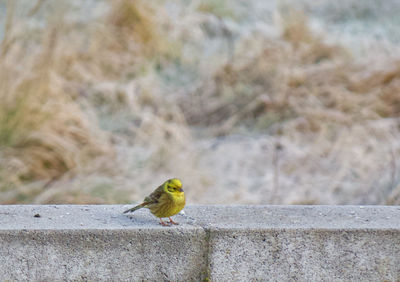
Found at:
<point>167,200</point>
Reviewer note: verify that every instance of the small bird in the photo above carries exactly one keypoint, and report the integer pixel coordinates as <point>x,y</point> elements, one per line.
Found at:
<point>167,200</point>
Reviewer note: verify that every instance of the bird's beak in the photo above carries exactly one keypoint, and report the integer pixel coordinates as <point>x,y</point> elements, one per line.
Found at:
<point>180,190</point>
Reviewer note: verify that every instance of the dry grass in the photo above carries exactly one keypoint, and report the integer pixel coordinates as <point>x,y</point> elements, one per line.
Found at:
<point>87,117</point>
<point>219,8</point>
<point>340,113</point>
<point>48,119</point>
<point>44,132</point>
<point>297,76</point>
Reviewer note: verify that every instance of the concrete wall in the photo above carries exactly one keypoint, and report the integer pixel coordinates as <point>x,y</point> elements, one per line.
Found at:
<point>221,243</point>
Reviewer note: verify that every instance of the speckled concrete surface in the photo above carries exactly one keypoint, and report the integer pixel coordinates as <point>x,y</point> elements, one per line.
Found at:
<point>236,243</point>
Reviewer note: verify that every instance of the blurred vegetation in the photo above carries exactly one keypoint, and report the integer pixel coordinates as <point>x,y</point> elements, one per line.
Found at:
<point>100,107</point>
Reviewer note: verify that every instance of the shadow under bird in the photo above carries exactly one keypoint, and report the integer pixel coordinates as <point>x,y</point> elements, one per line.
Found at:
<point>167,200</point>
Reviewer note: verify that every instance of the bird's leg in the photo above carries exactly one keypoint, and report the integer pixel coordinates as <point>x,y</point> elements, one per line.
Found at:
<point>173,222</point>
<point>163,223</point>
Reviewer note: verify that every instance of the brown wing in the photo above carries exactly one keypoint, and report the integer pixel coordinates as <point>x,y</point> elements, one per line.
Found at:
<point>155,196</point>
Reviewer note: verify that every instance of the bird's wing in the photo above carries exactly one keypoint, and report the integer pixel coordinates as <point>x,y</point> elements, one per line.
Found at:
<point>155,196</point>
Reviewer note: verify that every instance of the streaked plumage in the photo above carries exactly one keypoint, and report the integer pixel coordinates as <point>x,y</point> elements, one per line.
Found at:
<point>167,200</point>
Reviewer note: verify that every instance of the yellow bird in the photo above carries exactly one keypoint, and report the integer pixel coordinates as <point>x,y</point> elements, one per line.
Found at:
<point>167,200</point>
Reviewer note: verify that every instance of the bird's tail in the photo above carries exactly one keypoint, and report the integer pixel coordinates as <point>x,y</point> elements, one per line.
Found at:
<point>136,208</point>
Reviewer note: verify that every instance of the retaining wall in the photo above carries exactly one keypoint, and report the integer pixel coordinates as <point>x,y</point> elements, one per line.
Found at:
<point>219,243</point>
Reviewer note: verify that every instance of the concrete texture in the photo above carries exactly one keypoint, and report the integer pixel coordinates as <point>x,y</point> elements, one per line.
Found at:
<point>96,243</point>
<point>222,243</point>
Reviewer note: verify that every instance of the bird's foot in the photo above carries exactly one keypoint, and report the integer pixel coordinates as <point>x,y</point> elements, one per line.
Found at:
<point>163,223</point>
<point>173,222</point>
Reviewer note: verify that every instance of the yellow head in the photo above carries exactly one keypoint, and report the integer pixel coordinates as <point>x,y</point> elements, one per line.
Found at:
<point>173,186</point>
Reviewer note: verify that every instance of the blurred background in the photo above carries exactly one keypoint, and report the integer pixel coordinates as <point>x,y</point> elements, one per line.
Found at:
<point>246,101</point>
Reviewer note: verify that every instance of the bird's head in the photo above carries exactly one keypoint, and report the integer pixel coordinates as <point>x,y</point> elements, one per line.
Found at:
<point>173,186</point>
